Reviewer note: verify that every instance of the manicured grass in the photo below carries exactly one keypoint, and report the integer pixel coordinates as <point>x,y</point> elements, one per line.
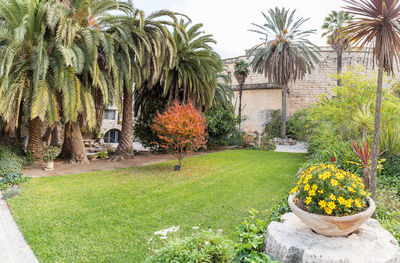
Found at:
<point>109,216</point>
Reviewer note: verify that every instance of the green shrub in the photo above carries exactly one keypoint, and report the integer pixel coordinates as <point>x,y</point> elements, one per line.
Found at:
<point>143,132</point>
<point>12,192</point>
<point>321,137</point>
<point>389,220</point>
<point>203,246</point>
<point>10,172</point>
<point>267,145</point>
<point>102,155</point>
<point>299,126</point>
<point>273,128</point>
<point>16,153</point>
<point>250,247</point>
<point>222,128</point>
<point>50,153</point>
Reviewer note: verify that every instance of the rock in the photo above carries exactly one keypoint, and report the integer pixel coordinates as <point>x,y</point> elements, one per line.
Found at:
<point>293,242</point>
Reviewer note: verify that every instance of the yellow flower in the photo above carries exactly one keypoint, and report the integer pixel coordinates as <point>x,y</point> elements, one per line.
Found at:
<point>358,203</point>
<point>322,204</point>
<point>321,191</point>
<point>341,200</point>
<point>328,211</point>
<point>351,190</point>
<point>294,190</point>
<point>334,182</point>
<point>312,193</point>
<point>307,187</point>
<point>349,202</point>
<point>332,197</point>
<point>363,192</point>
<point>308,200</point>
<point>331,205</point>
<point>354,185</point>
<point>339,176</point>
<point>314,187</point>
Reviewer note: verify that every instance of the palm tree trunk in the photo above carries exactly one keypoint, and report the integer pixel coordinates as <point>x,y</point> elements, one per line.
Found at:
<point>35,138</point>
<point>339,65</point>
<point>54,136</point>
<point>78,147</point>
<point>284,110</point>
<point>240,104</point>
<point>66,149</point>
<point>375,145</point>
<point>47,134</point>
<point>18,137</point>
<point>99,112</point>
<point>125,146</point>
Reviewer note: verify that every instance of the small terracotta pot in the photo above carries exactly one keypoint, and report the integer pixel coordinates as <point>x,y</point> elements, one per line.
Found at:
<point>332,226</point>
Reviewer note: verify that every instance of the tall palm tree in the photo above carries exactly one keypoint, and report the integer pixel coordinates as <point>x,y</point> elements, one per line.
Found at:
<point>288,56</point>
<point>241,71</point>
<point>82,27</point>
<point>26,52</point>
<point>193,76</point>
<point>148,50</point>
<point>333,23</point>
<point>376,25</point>
<point>223,92</point>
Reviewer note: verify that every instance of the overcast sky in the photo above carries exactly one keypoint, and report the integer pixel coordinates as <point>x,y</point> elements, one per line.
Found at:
<point>229,20</point>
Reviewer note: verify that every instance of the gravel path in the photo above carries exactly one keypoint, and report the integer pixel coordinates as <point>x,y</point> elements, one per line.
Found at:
<point>300,147</point>
<point>13,247</point>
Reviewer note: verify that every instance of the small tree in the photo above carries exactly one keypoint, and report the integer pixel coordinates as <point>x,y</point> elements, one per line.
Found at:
<point>182,129</point>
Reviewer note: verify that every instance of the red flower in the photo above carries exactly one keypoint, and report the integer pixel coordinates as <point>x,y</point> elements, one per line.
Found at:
<point>333,160</point>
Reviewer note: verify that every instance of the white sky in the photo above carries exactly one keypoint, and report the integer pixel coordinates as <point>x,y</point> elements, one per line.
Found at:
<point>229,20</point>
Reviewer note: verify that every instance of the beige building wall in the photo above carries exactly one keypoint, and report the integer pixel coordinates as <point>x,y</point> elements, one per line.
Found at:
<point>256,105</point>
<point>259,96</point>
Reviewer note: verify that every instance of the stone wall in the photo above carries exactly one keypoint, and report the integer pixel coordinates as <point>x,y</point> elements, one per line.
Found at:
<point>259,96</point>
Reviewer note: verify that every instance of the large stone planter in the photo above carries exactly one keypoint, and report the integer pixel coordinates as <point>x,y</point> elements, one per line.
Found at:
<point>331,225</point>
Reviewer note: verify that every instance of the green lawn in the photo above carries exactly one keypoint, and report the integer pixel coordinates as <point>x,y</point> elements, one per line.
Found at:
<point>109,216</point>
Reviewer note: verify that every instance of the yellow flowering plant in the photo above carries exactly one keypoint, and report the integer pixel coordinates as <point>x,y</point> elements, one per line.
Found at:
<point>326,190</point>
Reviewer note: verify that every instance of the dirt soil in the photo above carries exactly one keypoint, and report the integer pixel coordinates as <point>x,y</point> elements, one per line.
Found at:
<point>63,168</point>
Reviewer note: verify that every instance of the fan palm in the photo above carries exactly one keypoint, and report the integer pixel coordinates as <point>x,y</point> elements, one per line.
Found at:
<point>241,71</point>
<point>376,26</point>
<point>194,73</point>
<point>333,23</point>
<point>288,56</point>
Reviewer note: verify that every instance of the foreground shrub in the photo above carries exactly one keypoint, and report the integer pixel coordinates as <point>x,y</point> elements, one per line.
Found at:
<point>203,246</point>
<point>182,129</point>
<point>327,190</point>
<point>250,247</point>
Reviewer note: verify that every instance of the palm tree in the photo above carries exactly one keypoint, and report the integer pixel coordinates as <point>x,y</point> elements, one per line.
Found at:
<point>375,26</point>
<point>148,50</point>
<point>241,71</point>
<point>25,57</point>
<point>194,73</point>
<point>288,56</point>
<point>333,23</point>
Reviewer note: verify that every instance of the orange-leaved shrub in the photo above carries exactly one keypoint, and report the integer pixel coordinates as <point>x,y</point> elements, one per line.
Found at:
<point>181,128</point>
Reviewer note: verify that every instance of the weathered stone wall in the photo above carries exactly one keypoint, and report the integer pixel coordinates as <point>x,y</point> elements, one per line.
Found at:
<point>259,96</point>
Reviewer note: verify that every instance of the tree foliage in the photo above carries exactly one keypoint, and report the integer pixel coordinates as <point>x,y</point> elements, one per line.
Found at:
<point>181,129</point>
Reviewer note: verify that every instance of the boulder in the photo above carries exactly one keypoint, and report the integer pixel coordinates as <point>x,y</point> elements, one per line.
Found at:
<point>291,241</point>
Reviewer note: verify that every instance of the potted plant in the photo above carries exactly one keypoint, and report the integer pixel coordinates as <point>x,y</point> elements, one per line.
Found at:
<point>49,154</point>
<point>332,202</point>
